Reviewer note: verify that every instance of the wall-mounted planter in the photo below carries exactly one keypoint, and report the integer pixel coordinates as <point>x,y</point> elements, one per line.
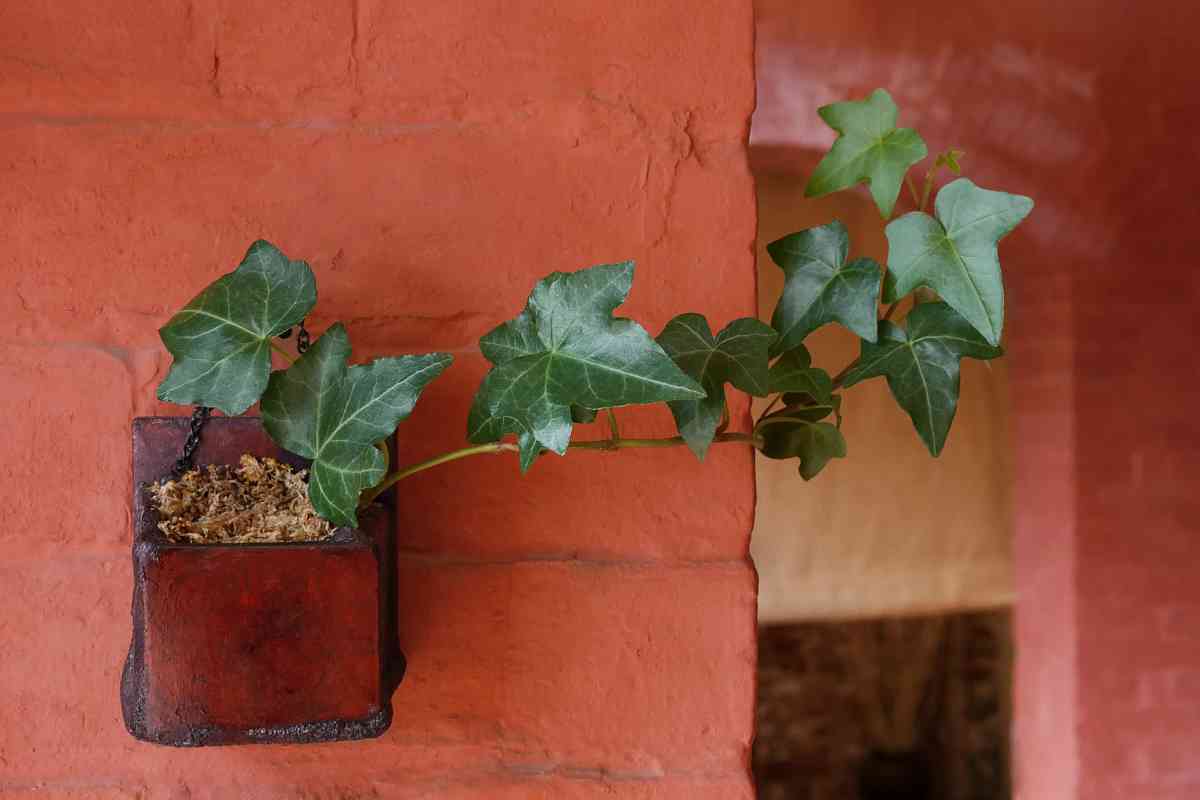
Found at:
<point>234,644</point>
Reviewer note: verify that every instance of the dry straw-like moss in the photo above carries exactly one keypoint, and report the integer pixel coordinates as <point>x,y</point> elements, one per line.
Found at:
<point>261,500</point>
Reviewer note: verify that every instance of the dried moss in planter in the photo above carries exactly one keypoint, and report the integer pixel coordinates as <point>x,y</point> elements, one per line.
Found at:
<point>565,358</point>
<point>258,501</point>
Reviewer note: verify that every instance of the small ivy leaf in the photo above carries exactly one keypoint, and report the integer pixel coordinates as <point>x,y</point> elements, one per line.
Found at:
<point>955,254</point>
<point>567,349</point>
<point>833,405</point>
<point>738,355</point>
<point>950,159</point>
<point>321,408</point>
<point>869,148</point>
<point>220,341</point>
<point>921,365</point>
<point>820,287</point>
<point>792,373</point>
<point>792,433</point>
<point>804,410</point>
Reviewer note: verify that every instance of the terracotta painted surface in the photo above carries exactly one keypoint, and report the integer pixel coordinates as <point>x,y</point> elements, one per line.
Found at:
<point>584,632</point>
<point>1089,108</point>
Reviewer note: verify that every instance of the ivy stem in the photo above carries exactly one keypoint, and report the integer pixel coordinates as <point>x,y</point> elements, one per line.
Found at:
<point>912,188</point>
<point>613,429</point>
<point>444,458</point>
<point>509,447</point>
<point>279,349</point>
<point>767,410</point>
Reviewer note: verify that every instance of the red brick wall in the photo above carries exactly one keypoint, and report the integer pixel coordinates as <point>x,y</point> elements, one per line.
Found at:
<point>1089,108</point>
<point>587,631</point>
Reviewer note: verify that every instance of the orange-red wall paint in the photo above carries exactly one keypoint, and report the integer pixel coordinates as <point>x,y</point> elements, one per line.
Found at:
<point>1091,108</point>
<point>586,631</point>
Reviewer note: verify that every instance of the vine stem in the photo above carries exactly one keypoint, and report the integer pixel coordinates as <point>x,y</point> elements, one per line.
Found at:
<point>770,405</point>
<point>494,448</point>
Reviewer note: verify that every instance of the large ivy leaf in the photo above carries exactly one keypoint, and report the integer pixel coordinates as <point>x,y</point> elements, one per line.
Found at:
<point>955,254</point>
<point>921,365</point>
<point>323,409</point>
<point>567,349</point>
<point>821,287</point>
<point>869,148</point>
<point>738,355</point>
<point>221,339</point>
<point>798,433</point>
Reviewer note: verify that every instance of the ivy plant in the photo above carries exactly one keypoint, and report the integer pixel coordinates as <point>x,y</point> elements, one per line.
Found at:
<point>567,358</point>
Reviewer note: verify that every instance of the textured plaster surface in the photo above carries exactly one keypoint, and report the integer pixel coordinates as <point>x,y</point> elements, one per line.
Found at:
<point>585,632</point>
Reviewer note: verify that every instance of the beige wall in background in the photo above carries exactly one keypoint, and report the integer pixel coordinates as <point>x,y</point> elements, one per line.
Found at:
<point>888,530</point>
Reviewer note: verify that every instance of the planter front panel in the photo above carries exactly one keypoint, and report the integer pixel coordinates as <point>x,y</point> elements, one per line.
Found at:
<point>260,637</point>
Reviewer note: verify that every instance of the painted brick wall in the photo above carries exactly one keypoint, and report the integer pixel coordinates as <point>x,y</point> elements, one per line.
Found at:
<point>585,632</point>
<point>1081,105</point>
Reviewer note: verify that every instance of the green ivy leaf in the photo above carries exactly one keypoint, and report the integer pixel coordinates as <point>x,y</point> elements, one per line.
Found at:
<point>821,287</point>
<point>321,408</point>
<point>950,159</point>
<point>955,254</point>
<point>566,349</point>
<point>221,339</point>
<point>738,355</point>
<point>793,373</point>
<point>921,365</point>
<point>869,148</point>
<point>798,433</point>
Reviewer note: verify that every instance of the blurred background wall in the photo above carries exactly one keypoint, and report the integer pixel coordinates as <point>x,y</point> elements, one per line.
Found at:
<point>1091,108</point>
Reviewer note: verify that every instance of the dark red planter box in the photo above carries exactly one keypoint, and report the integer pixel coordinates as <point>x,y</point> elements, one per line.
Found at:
<point>234,644</point>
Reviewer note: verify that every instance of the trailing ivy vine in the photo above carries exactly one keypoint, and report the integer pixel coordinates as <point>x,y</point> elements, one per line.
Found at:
<point>566,357</point>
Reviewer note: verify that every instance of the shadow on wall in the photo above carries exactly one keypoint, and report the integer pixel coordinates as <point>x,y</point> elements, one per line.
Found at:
<point>888,530</point>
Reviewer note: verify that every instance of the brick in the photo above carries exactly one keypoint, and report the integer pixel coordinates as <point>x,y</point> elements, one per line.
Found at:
<point>107,57</point>
<point>64,482</point>
<point>499,784</point>
<point>494,54</point>
<point>513,669</point>
<point>504,207</point>
<point>479,63</point>
<point>617,787</point>
<point>274,61</point>
<point>65,628</point>
<point>538,648</point>
<point>637,504</point>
